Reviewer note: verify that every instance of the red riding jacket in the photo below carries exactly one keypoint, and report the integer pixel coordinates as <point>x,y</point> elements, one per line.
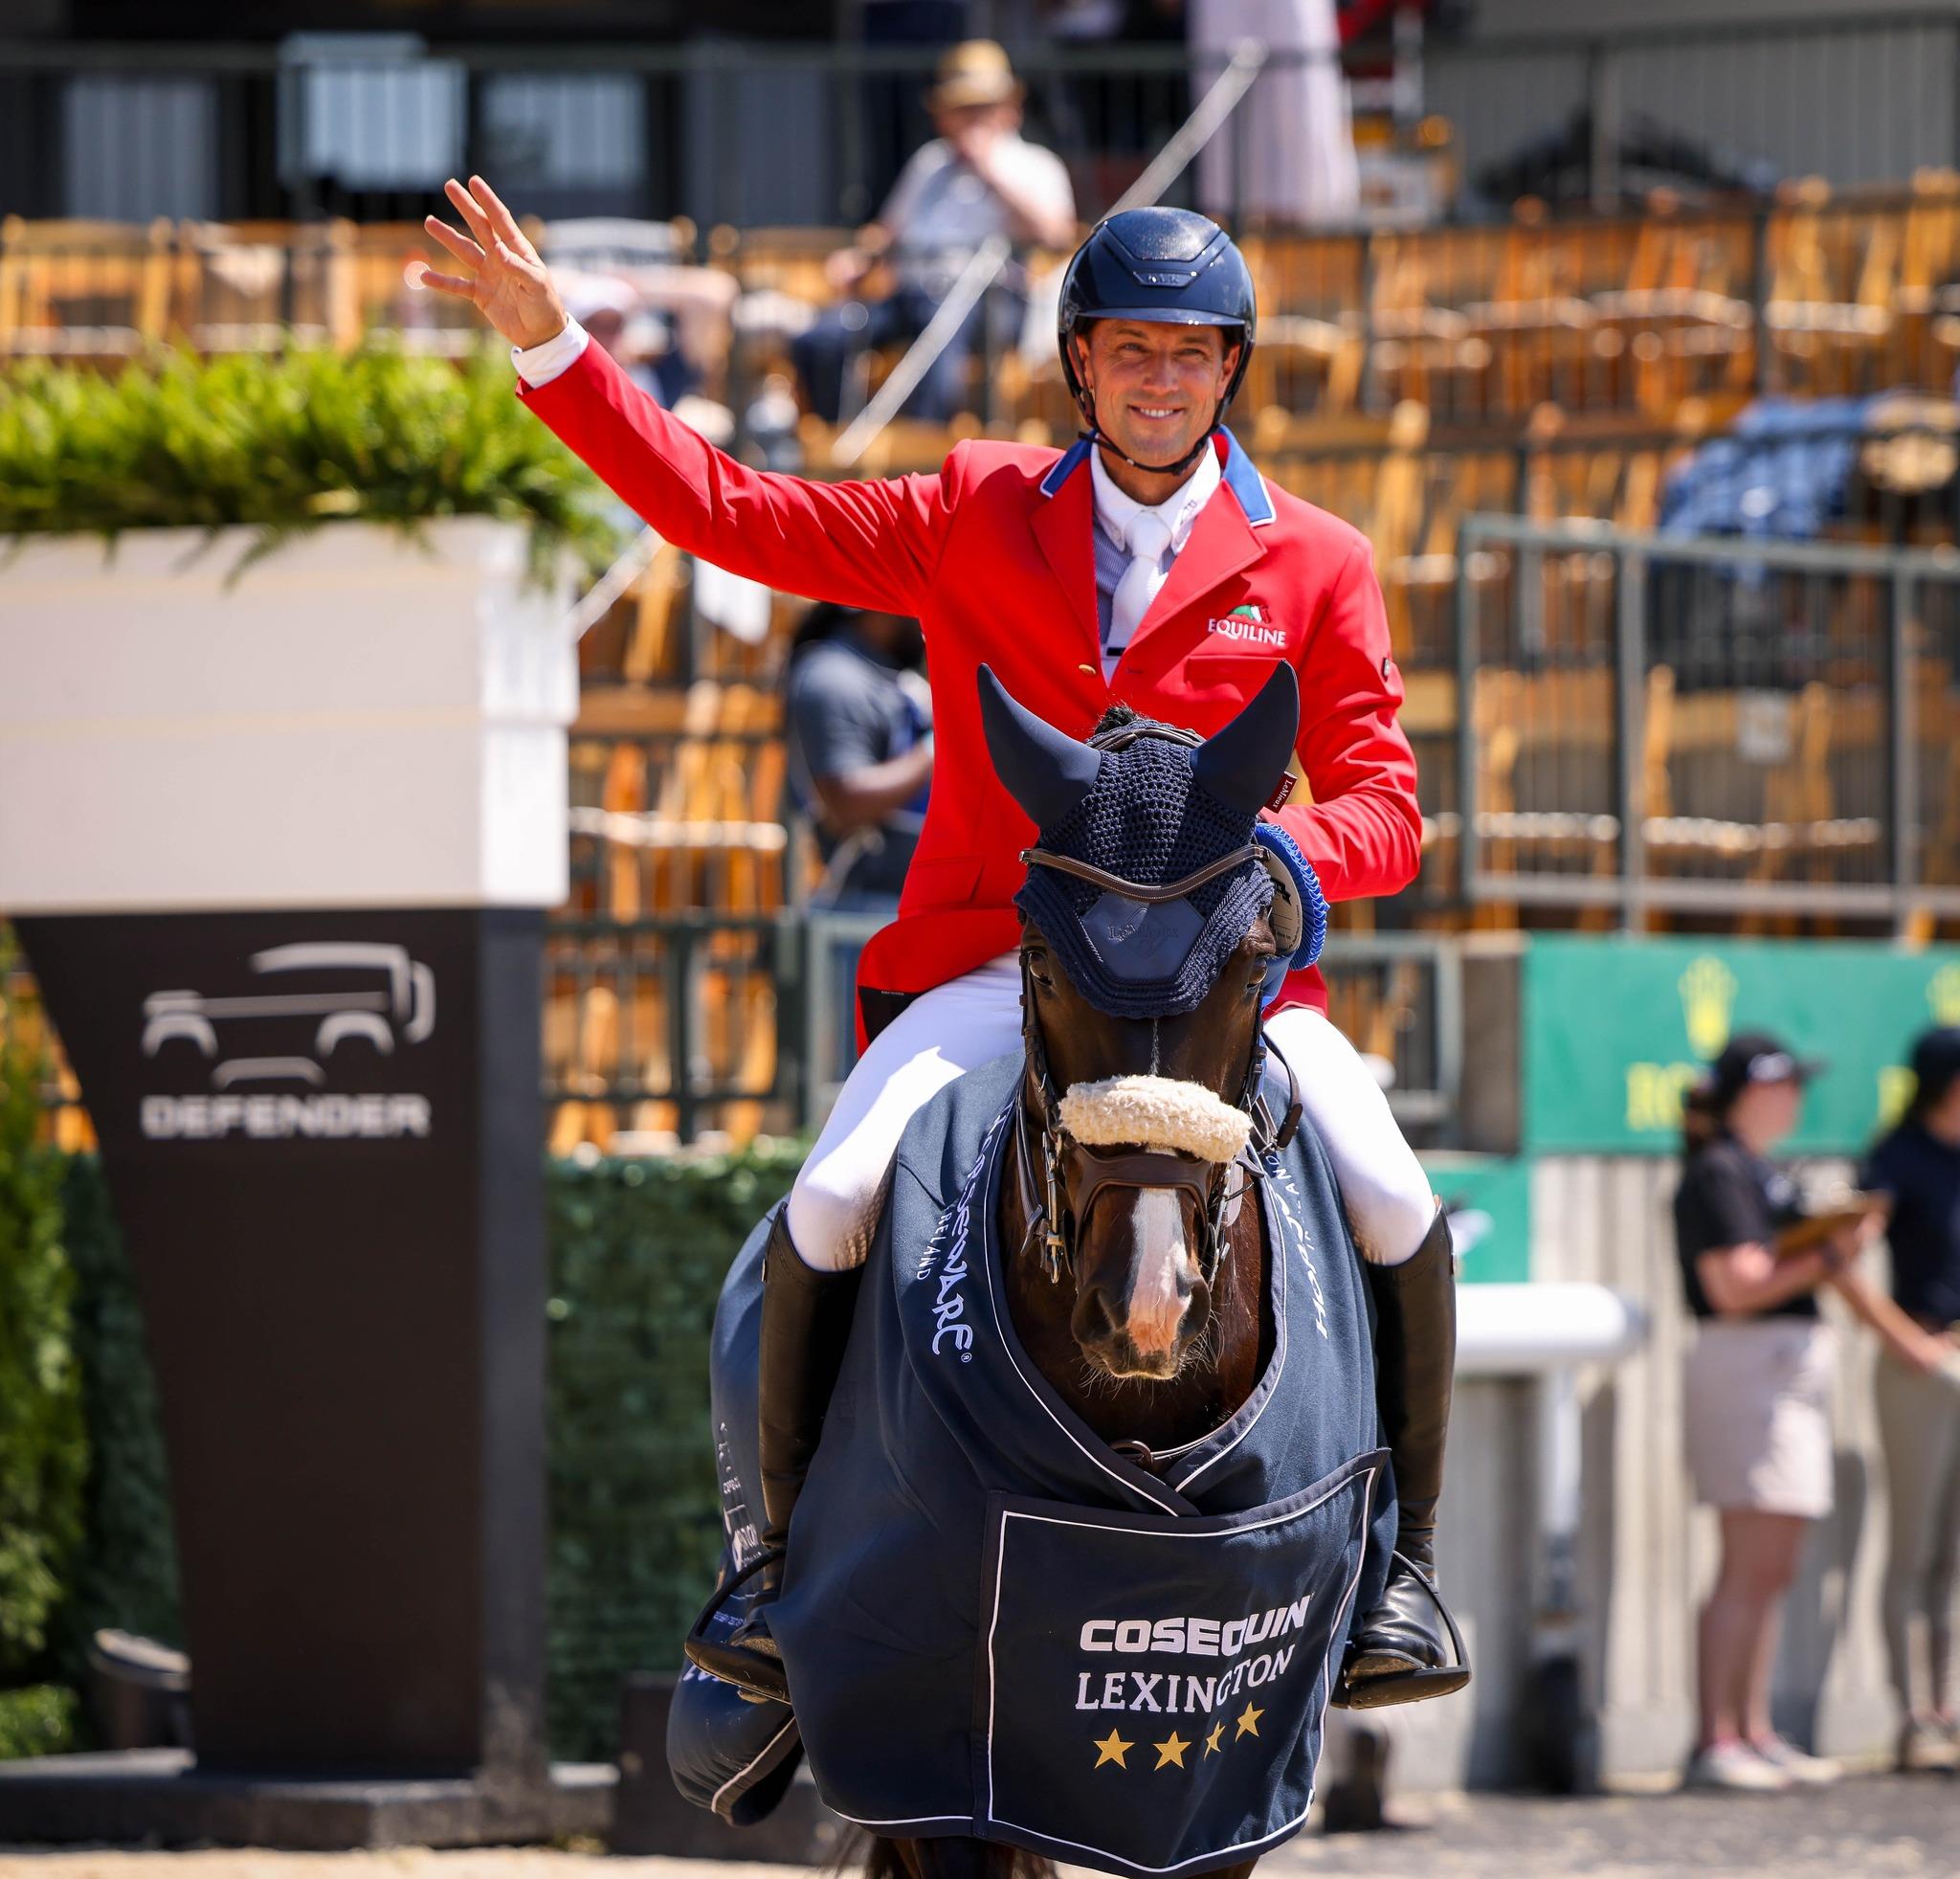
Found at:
<point>995,557</point>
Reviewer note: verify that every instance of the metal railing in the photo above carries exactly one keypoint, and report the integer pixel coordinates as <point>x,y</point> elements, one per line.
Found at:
<point>1706,725</point>
<point>670,1024</point>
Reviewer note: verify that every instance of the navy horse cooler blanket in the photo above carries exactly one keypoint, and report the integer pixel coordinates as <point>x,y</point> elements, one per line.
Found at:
<point>993,1623</point>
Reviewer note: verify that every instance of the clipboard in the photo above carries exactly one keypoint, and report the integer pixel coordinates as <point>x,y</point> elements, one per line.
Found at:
<point>1846,1210</point>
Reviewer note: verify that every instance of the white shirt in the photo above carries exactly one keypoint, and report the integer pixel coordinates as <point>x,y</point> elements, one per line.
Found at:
<point>1180,511</point>
<point>940,210</point>
<point>540,365</point>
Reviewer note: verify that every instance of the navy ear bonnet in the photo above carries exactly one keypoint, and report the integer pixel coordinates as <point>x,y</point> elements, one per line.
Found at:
<point>1154,806</point>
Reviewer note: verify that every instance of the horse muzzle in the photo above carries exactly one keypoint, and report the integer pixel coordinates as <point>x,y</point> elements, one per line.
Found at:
<point>1145,1293</point>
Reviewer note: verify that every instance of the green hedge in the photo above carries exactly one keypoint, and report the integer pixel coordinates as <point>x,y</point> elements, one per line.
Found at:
<point>283,444</point>
<point>37,1719</point>
<point>43,1447</point>
<point>638,1252</point>
<point>127,1574</point>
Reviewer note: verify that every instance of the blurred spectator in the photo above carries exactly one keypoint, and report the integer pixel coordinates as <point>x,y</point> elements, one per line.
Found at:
<point>977,178</point>
<point>858,728</point>
<point>858,724</point>
<point>1755,1413</point>
<point>675,321</point>
<point>1918,1165</point>
<point>1292,132</point>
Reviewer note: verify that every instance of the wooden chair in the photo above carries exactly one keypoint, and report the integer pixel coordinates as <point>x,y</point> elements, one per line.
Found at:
<point>1924,348</point>
<point>1738,785</point>
<point>1545,778</point>
<point>1674,327</point>
<point>1828,317</point>
<point>82,289</point>
<point>253,286</point>
<point>374,279</point>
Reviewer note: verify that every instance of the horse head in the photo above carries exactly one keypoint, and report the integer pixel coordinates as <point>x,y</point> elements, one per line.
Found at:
<point>1156,929</point>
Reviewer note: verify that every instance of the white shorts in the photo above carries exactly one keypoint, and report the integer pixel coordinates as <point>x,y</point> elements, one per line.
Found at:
<point>1756,1414</point>
<point>972,1019</point>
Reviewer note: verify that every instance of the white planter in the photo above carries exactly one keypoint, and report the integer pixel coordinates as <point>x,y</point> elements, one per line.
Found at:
<point>359,719</point>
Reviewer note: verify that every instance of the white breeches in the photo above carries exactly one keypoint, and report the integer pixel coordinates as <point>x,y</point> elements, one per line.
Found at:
<point>943,1033</point>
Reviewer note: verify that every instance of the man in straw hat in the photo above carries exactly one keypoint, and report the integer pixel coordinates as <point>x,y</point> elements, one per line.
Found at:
<point>978,177</point>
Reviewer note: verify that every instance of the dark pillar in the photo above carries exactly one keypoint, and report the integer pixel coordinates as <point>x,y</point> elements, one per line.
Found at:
<point>322,1133</point>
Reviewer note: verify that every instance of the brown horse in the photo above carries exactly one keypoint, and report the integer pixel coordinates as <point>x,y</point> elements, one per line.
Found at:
<point>1138,1162</point>
<point>1136,1281</point>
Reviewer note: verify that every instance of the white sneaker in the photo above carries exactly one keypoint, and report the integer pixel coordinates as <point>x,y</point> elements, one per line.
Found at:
<point>1925,1742</point>
<point>1803,1770</point>
<point>1735,1766</point>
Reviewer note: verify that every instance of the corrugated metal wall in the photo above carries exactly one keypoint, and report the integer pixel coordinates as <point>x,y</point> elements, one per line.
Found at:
<point>1860,106</point>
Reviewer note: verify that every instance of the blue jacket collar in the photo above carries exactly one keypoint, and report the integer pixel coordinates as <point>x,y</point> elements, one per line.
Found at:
<point>1241,477</point>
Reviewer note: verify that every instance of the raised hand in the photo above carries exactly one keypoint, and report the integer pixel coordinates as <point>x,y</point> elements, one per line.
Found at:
<point>502,278</point>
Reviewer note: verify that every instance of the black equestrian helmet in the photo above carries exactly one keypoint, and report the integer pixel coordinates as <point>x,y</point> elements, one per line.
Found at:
<point>1168,264</point>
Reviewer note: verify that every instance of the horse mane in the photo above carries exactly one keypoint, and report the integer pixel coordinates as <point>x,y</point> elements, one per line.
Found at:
<point>1115,718</point>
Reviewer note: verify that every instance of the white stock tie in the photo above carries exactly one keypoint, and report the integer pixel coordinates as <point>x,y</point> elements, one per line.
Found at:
<point>1146,537</point>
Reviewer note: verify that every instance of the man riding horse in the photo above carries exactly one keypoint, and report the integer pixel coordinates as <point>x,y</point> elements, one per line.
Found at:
<point>1149,566</point>
<point>1100,1486</point>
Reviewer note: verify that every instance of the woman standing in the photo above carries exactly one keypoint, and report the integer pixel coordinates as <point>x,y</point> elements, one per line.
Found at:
<point>1918,1165</point>
<point>1757,1389</point>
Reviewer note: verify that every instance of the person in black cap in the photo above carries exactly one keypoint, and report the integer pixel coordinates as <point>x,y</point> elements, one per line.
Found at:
<point>1758,1382</point>
<point>1918,1165</point>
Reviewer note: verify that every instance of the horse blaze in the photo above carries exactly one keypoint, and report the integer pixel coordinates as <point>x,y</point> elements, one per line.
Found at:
<point>1156,1299</point>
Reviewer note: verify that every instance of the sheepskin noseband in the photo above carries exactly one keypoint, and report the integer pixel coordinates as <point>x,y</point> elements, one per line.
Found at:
<point>1155,1112</point>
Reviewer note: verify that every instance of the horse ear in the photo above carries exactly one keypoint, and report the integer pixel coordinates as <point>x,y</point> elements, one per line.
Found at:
<point>1242,763</point>
<point>1045,769</point>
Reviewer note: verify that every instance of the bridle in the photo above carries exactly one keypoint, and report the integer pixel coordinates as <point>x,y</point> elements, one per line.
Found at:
<point>1073,1172</point>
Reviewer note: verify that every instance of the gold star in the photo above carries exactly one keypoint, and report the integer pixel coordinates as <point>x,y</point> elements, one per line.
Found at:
<point>1249,1723</point>
<point>1211,1742</point>
<point>1113,1749</point>
<point>1170,1751</point>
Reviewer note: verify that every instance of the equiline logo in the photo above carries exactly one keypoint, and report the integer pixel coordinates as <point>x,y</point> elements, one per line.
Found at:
<point>1247,626</point>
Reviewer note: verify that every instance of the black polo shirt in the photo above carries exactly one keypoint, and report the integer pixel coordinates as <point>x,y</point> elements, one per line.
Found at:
<point>1922,1176</point>
<point>1729,1197</point>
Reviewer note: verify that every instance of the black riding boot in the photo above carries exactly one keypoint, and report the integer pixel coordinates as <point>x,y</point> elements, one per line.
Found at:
<point>805,1321</point>
<point>1399,1652</point>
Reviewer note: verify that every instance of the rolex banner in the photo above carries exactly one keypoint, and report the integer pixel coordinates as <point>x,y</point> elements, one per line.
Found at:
<point>1615,1030</point>
<point>321,1132</point>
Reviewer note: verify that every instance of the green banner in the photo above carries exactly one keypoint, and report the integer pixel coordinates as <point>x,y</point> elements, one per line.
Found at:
<point>1616,1029</point>
<point>1489,1199</point>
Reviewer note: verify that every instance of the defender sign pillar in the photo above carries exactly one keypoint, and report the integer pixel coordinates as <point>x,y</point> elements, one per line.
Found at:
<point>292,940</point>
